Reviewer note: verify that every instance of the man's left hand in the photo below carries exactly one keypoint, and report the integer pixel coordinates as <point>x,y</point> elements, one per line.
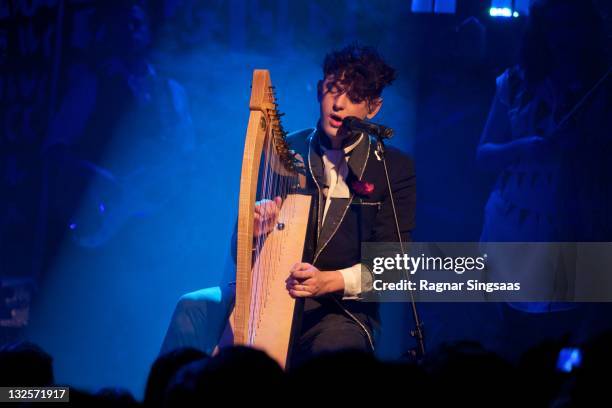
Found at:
<point>305,280</point>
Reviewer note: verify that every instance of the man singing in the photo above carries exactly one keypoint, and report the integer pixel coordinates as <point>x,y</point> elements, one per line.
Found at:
<point>352,205</point>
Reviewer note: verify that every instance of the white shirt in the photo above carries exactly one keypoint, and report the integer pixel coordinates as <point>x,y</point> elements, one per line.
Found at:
<point>335,167</point>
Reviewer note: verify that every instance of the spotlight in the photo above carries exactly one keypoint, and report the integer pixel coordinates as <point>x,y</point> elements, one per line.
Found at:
<point>569,358</point>
<point>501,12</point>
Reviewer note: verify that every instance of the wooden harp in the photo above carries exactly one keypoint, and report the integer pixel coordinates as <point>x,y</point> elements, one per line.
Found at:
<point>264,312</point>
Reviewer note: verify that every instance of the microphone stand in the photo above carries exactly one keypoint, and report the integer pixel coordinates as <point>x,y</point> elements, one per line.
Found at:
<point>418,332</point>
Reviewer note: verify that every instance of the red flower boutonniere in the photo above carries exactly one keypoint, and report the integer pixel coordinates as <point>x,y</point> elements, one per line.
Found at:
<point>362,187</point>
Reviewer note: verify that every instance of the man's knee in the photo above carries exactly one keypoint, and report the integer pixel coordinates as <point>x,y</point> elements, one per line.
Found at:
<point>199,319</point>
<point>200,301</point>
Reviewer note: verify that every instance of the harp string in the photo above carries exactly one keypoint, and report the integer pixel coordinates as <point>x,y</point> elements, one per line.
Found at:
<point>260,267</point>
<point>273,184</point>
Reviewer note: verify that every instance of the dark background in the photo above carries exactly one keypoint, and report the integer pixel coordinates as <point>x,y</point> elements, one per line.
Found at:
<point>100,300</point>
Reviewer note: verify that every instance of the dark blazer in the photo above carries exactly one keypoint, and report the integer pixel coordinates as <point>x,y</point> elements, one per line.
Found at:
<point>336,244</point>
<point>362,218</point>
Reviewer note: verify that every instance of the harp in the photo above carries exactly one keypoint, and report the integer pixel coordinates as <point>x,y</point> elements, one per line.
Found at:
<point>264,312</point>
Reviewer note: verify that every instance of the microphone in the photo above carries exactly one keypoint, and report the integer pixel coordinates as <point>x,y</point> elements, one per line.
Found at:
<point>355,124</point>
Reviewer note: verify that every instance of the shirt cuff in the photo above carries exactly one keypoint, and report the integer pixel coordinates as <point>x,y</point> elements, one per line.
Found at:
<point>354,283</point>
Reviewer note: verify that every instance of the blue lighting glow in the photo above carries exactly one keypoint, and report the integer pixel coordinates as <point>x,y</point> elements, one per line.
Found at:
<point>569,358</point>
<point>501,12</point>
<point>72,226</point>
<point>101,207</point>
<point>509,8</point>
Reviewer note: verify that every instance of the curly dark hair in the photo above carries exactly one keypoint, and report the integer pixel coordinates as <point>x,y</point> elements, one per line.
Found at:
<point>536,58</point>
<point>360,70</point>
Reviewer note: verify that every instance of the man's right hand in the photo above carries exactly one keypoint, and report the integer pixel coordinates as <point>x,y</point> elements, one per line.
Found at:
<point>266,214</point>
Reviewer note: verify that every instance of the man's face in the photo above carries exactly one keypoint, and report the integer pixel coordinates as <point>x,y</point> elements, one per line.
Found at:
<point>335,105</point>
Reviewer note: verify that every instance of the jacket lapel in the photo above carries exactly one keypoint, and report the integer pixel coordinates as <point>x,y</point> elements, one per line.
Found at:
<point>315,166</point>
<point>339,206</point>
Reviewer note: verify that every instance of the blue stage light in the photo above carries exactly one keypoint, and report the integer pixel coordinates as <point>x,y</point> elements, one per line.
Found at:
<point>521,7</point>
<point>569,358</point>
<point>500,12</point>
<point>437,6</point>
<point>445,6</point>
<point>422,6</point>
<point>509,8</point>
